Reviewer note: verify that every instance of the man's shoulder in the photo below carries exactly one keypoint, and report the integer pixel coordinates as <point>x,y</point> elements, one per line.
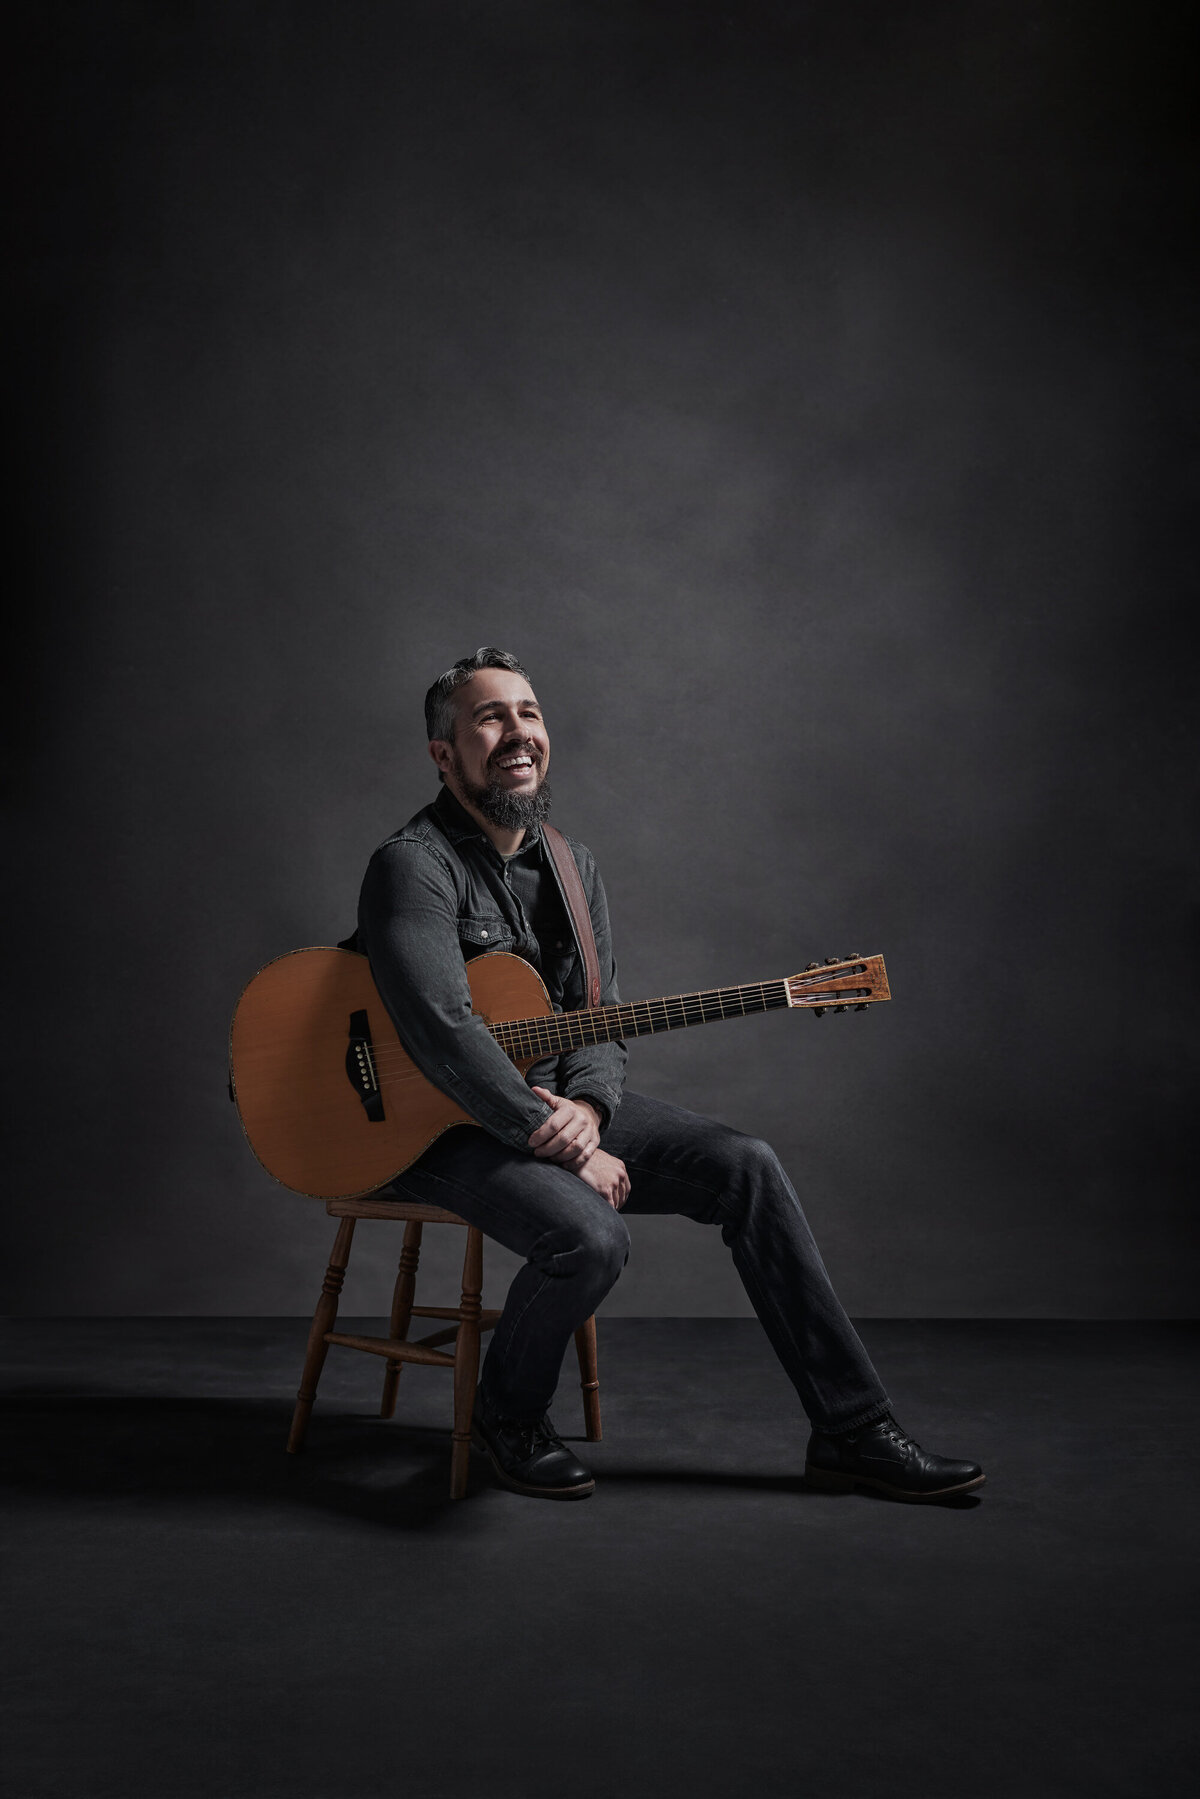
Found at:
<point>419,838</point>
<point>420,828</point>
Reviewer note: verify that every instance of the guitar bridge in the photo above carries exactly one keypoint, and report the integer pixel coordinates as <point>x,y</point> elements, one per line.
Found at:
<point>360,1067</point>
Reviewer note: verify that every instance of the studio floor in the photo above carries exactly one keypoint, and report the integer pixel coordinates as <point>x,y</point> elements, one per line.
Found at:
<point>193,1614</point>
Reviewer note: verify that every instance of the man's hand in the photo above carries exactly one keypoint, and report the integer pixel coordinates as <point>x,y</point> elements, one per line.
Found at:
<point>606,1176</point>
<point>571,1136</point>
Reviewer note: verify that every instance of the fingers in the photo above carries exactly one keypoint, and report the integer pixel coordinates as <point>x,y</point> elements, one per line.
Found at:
<point>549,1140</point>
<point>565,1144</point>
<point>568,1136</point>
<point>549,1126</point>
<point>609,1178</point>
<point>557,1135</point>
<point>566,1118</point>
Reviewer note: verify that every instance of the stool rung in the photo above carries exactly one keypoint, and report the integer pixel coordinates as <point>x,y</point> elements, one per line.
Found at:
<point>451,1331</point>
<point>487,1316</point>
<point>393,1348</point>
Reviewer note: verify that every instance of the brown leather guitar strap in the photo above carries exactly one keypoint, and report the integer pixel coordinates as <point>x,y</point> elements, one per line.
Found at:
<point>581,918</point>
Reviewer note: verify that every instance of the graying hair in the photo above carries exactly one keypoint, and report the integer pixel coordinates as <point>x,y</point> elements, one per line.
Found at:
<point>439,701</point>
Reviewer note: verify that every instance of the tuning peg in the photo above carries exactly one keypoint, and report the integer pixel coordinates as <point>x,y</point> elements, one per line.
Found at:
<point>830,959</point>
<point>817,1011</point>
<point>840,1008</point>
<point>809,965</point>
<point>856,955</point>
<point>861,1006</point>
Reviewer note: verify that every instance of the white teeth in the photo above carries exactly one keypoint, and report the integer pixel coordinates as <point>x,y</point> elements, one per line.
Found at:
<point>517,762</point>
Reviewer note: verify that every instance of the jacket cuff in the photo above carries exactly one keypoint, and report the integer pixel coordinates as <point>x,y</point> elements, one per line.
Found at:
<point>497,1119</point>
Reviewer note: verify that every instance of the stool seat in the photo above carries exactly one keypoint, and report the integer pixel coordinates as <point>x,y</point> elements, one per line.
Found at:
<point>463,1325</point>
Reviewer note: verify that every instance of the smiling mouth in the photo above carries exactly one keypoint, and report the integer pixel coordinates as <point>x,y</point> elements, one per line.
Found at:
<point>516,763</point>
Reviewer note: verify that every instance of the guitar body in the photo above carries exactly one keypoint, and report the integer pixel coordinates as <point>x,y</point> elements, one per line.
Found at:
<point>311,1041</point>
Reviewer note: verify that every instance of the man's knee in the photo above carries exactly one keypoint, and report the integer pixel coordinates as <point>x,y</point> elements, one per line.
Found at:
<point>592,1248</point>
<point>753,1171</point>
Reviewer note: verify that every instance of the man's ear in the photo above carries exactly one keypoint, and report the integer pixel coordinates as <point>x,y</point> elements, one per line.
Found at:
<point>442,753</point>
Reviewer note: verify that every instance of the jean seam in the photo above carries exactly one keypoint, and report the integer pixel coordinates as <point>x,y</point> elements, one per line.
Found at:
<point>680,1180</point>
<point>476,1198</point>
<point>757,1299</point>
<point>513,1373</point>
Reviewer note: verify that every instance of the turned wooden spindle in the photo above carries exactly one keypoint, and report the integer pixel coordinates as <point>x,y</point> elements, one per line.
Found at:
<point>402,1306</point>
<point>461,1325</point>
<point>466,1361</point>
<point>324,1319</point>
<point>589,1378</point>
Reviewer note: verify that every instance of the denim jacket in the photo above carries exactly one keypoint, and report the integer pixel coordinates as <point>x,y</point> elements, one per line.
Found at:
<point>437,894</point>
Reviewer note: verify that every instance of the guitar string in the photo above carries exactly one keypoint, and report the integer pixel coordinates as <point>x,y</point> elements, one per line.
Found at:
<point>555,1033</point>
<point>565,1030</point>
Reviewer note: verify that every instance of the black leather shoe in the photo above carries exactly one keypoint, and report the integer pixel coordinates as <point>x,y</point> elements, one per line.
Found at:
<point>883,1457</point>
<point>529,1456</point>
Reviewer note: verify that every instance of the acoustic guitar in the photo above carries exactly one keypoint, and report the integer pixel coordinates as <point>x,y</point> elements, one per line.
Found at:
<point>333,1106</point>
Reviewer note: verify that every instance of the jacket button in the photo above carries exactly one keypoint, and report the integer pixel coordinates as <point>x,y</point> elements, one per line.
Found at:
<point>483,935</point>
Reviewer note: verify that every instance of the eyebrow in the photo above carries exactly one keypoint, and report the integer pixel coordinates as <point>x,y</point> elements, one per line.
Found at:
<point>484,704</point>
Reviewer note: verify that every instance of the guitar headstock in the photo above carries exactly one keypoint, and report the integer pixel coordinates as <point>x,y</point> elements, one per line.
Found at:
<point>838,984</point>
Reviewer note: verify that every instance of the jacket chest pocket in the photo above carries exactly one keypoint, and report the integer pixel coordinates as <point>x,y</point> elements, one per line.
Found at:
<point>476,936</point>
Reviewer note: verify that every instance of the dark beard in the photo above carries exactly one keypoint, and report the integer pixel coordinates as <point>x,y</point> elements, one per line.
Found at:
<point>507,810</point>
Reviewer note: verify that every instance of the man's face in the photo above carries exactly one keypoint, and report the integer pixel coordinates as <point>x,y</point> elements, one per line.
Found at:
<point>501,748</point>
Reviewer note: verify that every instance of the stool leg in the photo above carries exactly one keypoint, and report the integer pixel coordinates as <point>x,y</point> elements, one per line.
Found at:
<point>589,1377</point>
<point>323,1320</point>
<point>402,1305</point>
<point>466,1362</point>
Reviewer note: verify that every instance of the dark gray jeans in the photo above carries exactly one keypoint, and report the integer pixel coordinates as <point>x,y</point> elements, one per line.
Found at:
<point>575,1246</point>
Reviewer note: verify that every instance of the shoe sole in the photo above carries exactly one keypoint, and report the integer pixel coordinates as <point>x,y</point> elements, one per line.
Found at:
<point>583,1491</point>
<point>823,1480</point>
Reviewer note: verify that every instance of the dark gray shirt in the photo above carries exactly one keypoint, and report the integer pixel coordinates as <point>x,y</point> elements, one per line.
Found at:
<point>437,894</point>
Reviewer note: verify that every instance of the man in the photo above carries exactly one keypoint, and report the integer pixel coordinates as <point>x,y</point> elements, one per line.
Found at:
<point>566,1150</point>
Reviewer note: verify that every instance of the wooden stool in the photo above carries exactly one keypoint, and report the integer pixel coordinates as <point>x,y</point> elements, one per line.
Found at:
<point>468,1318</point>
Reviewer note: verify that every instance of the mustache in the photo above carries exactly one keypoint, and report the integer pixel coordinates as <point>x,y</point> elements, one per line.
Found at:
<point>517,749</point>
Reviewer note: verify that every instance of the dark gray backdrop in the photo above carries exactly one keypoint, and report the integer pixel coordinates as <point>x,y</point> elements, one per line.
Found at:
<point>801,390</point>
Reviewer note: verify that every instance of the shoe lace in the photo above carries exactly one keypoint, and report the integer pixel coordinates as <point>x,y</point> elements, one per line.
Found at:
<point>534,1434</point>
<point>899,1437</point>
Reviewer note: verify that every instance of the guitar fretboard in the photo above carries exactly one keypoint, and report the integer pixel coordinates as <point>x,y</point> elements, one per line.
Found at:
<point>553,1032</point>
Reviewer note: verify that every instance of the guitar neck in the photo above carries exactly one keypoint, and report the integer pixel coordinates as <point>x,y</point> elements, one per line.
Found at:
<point>554,1032</point>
